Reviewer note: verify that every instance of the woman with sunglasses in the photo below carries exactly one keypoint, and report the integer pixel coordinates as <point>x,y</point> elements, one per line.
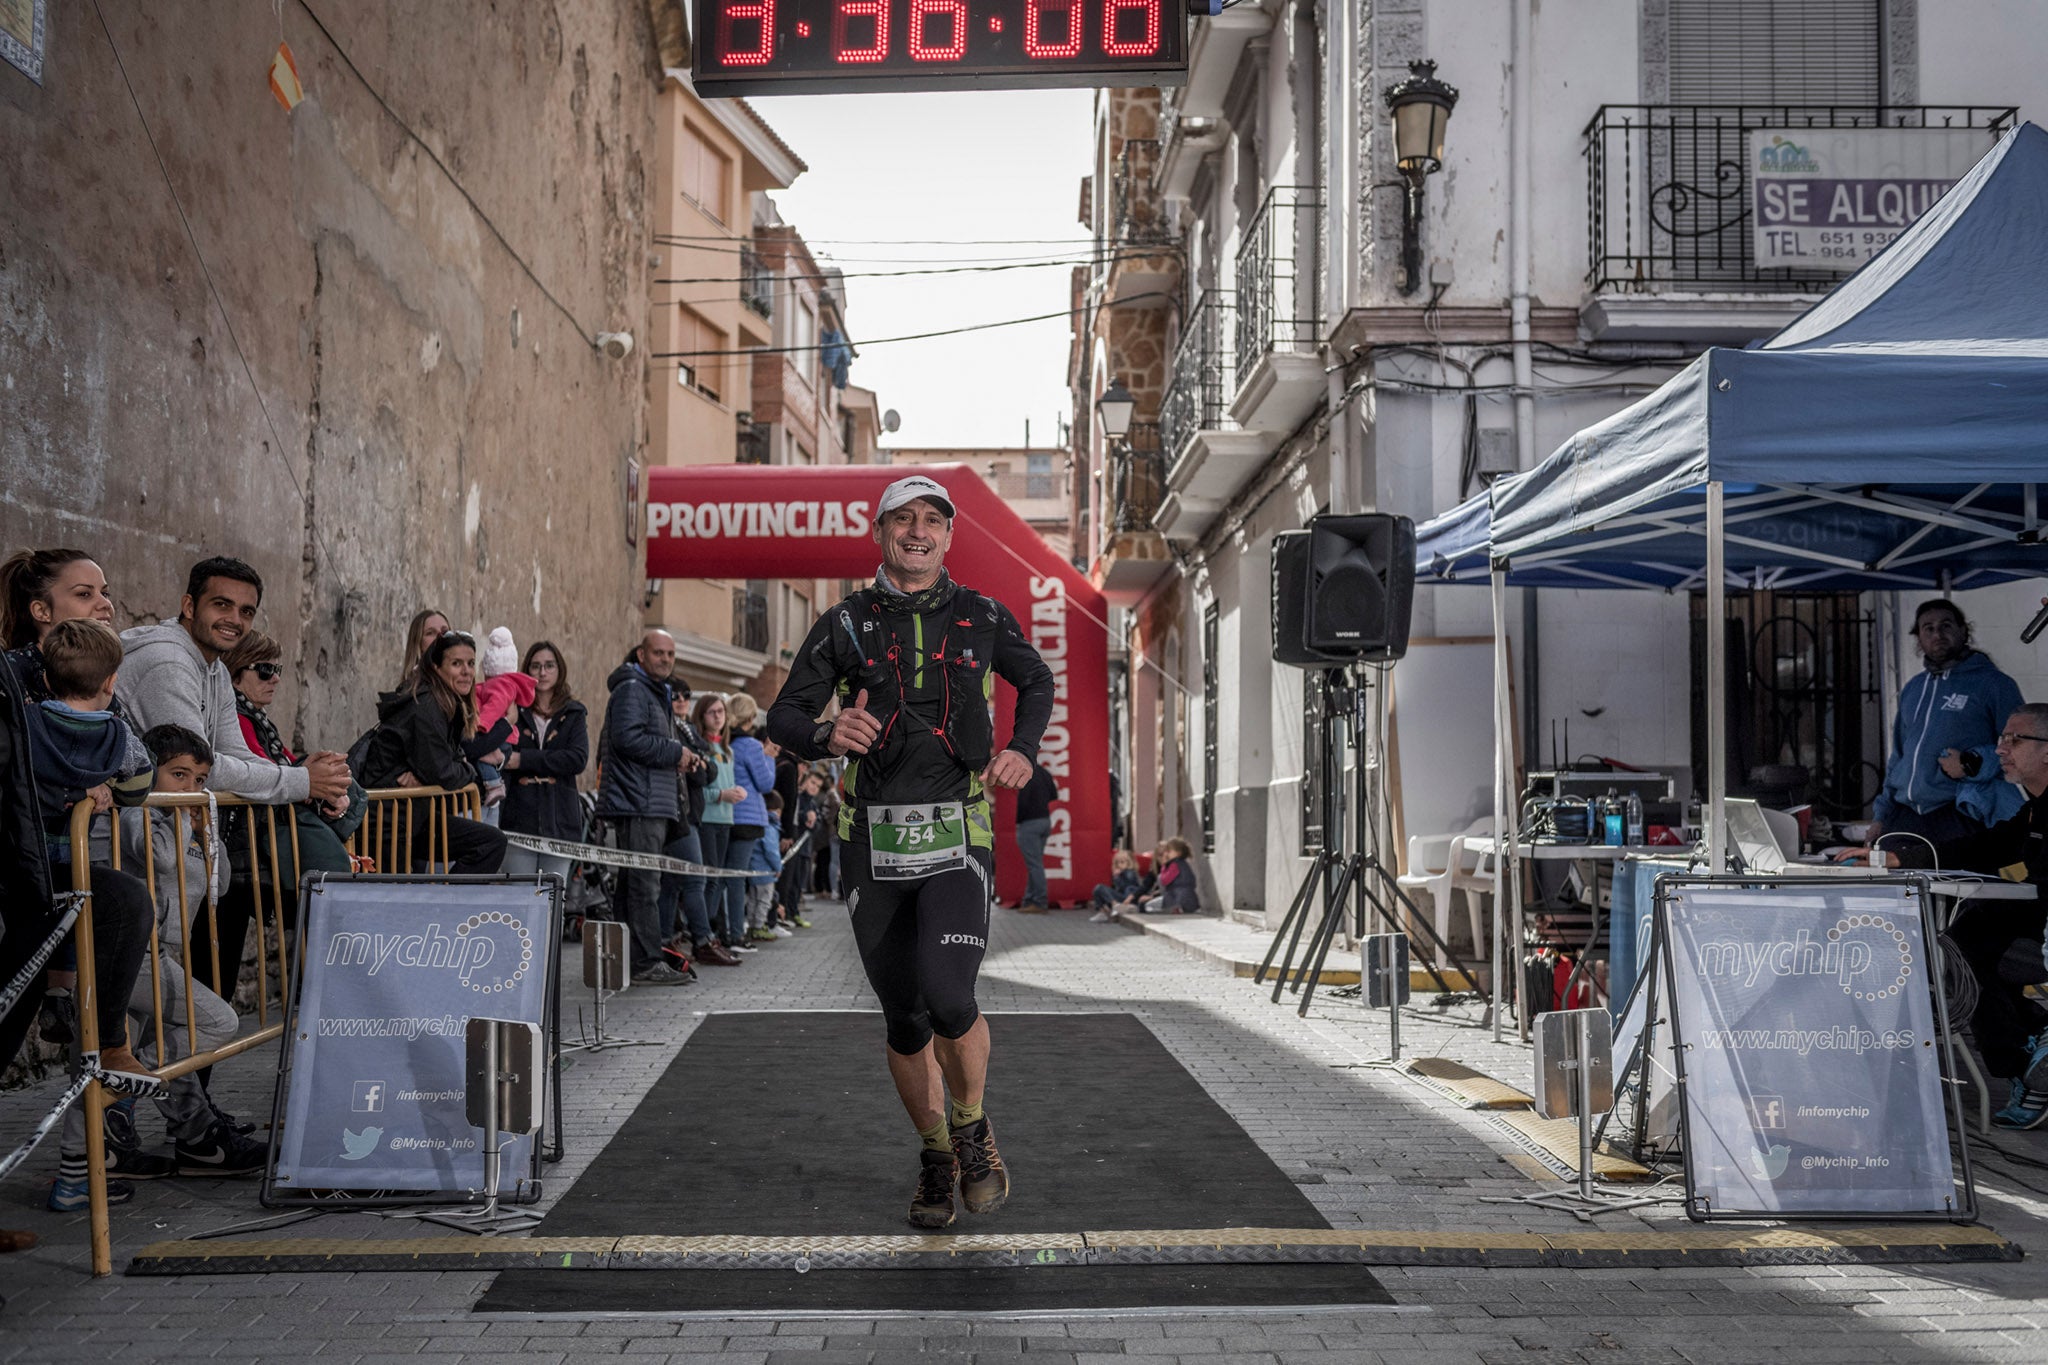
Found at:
<point>419,743</point>
<point>254,667</point>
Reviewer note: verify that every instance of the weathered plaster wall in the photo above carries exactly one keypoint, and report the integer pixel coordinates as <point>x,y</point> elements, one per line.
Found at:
<point>417,423</point>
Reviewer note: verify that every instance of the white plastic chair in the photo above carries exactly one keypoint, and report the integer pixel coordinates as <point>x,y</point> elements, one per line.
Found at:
<point>1444,865</point>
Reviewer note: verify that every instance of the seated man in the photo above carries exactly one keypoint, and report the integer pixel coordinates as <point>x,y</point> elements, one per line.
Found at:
<point>2009,1029</point>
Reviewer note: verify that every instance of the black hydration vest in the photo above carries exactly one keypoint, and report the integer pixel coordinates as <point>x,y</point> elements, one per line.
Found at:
<point>893,647</point>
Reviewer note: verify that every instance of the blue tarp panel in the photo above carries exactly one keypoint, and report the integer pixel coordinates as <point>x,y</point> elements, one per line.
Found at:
<point>1894,433</point>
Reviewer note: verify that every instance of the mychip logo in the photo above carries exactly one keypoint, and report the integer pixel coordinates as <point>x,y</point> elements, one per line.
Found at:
<point>1867,955</point>
<point>490,951</point>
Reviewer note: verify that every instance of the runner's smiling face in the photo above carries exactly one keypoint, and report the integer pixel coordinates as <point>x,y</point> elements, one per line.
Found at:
<point>914,539</point>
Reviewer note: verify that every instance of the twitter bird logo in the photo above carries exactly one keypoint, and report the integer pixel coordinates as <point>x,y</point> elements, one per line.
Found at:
<point>355,1146</point>
<point>1770,1165</point>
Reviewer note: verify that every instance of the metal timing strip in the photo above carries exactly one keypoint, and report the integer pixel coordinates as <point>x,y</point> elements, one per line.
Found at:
<point>1874,1245</point>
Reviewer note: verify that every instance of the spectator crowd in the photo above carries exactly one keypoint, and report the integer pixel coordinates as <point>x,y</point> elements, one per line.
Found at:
<point>94,717</point>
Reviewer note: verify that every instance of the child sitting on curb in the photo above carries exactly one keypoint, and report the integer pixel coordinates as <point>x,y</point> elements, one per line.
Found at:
<point>1175,893</point>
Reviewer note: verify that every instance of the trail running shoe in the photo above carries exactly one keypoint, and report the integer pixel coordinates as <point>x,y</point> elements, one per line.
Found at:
<point>984,1183</point>
<point>932,1205</point>
<point>2028,1109</point>
<point>762,935</point>
<point>800,922</point>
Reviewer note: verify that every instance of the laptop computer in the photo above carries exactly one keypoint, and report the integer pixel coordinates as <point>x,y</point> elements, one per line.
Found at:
<point>1750,836</point>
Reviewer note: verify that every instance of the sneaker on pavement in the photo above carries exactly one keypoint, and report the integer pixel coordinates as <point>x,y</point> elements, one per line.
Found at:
<point>132,1163</point>
<point>658,974</point>
<point>782,931</point>
<point>2035,1077</point>
<point>222,1152</point>
<point>937,1175</point>
<point>800,922</point>
<point>69,1195</point>
<point>742,946</point>
<point>762,935</point>
<point>712,953</point>
<point>984,1182</point>
<point>1099,917</point>
<point>2027,1109</point>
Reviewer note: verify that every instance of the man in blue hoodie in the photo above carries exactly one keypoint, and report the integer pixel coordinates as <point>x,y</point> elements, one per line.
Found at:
<point>1945,739</point>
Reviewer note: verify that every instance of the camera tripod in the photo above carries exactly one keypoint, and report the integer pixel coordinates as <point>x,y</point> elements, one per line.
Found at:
<point>1358,879</point>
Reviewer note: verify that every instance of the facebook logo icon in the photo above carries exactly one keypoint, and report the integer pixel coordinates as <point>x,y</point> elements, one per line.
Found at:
<point>368,1097</point>
<point>1768,1112</point>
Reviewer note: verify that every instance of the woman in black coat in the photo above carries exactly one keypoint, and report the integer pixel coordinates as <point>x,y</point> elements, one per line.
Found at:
<point>549,749</point>
<point>419,741</point>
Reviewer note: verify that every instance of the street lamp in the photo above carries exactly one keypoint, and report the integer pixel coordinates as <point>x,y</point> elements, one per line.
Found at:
<point>1421,106</point>
<point>1115,408</point>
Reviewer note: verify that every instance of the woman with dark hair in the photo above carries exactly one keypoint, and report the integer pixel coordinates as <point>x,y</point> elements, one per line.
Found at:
<point>726,897</point>
<point>550,747</point>
<point>426,627</point>
<point>255,666</point>
<point>38,589</point>
<point>418,743</point>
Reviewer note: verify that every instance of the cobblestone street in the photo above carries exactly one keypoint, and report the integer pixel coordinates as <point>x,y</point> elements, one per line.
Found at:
<point>1369,1148</point>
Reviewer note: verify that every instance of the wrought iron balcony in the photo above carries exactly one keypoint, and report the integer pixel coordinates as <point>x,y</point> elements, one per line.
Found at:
<point>753,444</point>
<point>1138,215</point>
<point>750,620</point>
<point>1137,480</point>
<point>757,283</point>
<point>1277,276</point>
<point>1668,189</point>
<point>1203,375</point>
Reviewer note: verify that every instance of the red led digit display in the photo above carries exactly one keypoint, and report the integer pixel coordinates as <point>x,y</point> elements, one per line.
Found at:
<point>757,47</point>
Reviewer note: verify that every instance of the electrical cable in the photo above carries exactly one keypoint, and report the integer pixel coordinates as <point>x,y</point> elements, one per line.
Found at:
<point>899,274</point>
<point>883,341</point>
<point>588,336</point>
<point>206,272</point>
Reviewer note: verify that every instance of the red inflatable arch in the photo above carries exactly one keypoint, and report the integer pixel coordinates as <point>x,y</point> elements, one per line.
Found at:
<point>754,521</point>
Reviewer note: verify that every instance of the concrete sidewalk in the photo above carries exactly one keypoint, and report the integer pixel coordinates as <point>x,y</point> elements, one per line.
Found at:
<point>1371,1149</point>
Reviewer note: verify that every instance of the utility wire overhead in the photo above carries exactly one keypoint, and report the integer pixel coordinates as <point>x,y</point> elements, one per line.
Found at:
<point>884,341</point>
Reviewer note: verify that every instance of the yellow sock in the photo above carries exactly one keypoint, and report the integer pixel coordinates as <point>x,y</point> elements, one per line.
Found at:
<point>963,1114</point>
<point>936,1138</point>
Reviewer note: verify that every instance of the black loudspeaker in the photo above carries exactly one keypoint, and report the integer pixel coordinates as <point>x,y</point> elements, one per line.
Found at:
<point>1290,606</point>
<point>1361,585</point>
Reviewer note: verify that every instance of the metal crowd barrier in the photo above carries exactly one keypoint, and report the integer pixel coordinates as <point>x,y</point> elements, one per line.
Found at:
<point>386,836</point>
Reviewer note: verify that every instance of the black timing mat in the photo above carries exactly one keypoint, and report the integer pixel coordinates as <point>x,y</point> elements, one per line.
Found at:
<point>772,1125</point>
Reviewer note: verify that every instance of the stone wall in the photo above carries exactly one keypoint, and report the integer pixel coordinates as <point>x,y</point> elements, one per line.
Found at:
<point>349,342</point>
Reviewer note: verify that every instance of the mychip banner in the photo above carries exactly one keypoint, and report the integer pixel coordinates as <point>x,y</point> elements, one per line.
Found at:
<point>1810,1059</point>
<point>374,1082</point>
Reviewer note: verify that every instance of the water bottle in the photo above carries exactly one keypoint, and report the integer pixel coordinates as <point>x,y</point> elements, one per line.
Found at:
<point>1635,819</point>
<point>1611,819</point>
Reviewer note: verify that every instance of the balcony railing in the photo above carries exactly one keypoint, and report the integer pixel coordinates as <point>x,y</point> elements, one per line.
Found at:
<point>753,444</point>
<point>1668,188</point>
<point>1138,212</point>
<point>750,620</point>
<point>1137,481</point>
<point>1202,380</point>
<point>757,283</point>
<point>1277,275</point>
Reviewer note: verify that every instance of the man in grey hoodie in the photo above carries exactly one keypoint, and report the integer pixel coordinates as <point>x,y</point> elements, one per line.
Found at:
<point>173,675</point>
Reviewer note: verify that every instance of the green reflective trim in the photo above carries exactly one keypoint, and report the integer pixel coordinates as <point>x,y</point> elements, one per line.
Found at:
<point>917,638</point>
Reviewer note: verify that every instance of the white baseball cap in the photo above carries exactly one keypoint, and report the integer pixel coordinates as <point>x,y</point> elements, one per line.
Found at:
<point>912,488</point>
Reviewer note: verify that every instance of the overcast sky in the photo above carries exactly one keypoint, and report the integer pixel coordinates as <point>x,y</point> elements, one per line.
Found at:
<point>955,168</point>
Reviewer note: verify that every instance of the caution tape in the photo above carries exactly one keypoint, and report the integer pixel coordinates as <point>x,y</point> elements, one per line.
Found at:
<point>643,862</point>
<point>71,901</point>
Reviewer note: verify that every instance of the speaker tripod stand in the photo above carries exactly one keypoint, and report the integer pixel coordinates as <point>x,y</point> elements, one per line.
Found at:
<point>1359,879</point>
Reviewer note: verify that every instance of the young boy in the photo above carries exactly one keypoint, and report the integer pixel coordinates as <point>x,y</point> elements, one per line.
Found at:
<point>767,870</point>
<point>77,744</point>
<point>1175,892</point>
<point>206,1144</point>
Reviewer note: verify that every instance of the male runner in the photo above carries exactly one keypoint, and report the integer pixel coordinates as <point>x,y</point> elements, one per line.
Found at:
<point>912,660</point>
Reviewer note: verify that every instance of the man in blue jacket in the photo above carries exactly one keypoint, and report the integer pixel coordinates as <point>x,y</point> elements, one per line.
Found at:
<point>1946,735</point>
<point>637,791</point>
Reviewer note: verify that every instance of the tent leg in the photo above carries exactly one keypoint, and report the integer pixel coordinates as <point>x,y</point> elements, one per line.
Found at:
<point>1503,778</point>
<point>1717,682</point>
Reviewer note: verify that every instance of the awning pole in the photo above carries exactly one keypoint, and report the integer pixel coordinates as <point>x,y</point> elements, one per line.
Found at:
<point>1717,684</point>
<point>1503,777</point>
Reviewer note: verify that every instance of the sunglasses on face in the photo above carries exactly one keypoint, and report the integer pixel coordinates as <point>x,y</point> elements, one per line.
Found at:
<point>267,672</point>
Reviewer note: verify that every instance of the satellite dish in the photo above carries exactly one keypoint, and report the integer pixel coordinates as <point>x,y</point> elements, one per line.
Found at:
<point>892,421</point>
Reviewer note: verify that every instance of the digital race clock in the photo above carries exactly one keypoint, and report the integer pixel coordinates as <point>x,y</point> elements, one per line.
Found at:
<point>759,47</point>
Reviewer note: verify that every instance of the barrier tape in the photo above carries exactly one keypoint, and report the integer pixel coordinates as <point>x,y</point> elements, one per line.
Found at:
<point>643,862</point>
<point>50,1121</point>
<point>72,901</point>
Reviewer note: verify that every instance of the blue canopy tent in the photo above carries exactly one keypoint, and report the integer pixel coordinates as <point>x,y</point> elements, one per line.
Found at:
<point>1895,436</point>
